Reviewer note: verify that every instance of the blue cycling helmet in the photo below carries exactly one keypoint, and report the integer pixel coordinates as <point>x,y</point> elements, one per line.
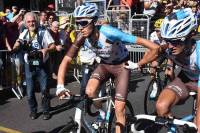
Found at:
<point>178,24</point>
<point>88,10</point>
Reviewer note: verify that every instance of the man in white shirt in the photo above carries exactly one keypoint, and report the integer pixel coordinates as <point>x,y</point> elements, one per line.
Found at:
<point>38,42</point>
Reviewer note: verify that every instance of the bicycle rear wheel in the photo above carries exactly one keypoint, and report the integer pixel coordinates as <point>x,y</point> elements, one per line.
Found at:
<point>129,114</point>
<point>150,102</point>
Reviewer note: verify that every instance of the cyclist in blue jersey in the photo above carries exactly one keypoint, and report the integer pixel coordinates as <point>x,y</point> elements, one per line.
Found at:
<point>178,29</point>
<point>109,44</point>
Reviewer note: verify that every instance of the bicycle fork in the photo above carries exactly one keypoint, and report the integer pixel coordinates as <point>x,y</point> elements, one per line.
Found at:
<point>79,119</point>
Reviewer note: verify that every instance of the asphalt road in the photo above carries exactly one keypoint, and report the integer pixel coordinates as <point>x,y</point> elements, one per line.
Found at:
<point>14,113</point>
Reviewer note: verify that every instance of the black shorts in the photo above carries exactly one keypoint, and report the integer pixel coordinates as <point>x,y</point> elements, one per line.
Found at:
<point>182,85</point>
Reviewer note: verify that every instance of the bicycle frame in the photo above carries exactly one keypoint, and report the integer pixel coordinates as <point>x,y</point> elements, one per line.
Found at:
<point>80,113</point>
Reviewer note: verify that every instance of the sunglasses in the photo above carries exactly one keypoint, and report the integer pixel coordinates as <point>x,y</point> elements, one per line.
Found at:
<point>83,23</point>
<point>175,42</point>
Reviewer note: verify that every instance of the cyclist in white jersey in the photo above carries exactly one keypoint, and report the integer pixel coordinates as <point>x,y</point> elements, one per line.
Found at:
<point>178,29</point>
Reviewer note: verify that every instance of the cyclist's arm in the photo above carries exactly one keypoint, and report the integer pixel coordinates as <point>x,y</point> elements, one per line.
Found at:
<point>198,91</point>
<point>152,54</point>
<point>64,66</point>
<point>114,34</point>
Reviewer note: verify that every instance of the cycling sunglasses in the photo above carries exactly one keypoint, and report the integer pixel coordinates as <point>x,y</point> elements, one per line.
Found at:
<point>175,42</point>
<point>84,23</point>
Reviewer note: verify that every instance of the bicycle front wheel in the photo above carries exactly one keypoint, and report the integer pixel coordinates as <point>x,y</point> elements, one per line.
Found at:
<point>129,114</point>
<point>71,128</point>
<point>151,95</point>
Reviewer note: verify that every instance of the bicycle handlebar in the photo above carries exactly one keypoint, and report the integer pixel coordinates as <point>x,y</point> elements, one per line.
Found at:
<point>164,121</point>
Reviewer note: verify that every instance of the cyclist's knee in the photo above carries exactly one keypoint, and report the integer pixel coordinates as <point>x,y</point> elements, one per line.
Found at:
<point>162,108</point>
<point>90,92</point>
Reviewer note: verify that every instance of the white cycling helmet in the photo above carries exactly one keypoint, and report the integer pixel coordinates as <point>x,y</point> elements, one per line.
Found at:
<point>178,24</point>
<point>89,10</point>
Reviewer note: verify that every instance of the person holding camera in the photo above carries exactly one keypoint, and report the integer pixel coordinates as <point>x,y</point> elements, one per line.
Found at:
<point>36,43</point>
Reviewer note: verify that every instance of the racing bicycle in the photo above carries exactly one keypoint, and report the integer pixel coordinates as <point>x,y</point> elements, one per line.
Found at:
<point>80,123</point>
<point>171,125</point>
<point>154,88</point>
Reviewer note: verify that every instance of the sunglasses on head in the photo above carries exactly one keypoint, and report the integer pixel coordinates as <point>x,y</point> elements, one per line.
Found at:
<point>83,23</point>
<point>175,42</point>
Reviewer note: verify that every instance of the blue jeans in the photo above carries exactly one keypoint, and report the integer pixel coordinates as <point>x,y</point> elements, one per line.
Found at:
<point>39,74</point>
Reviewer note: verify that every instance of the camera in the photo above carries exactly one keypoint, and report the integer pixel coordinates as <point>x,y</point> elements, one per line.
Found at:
<point>35,58</point>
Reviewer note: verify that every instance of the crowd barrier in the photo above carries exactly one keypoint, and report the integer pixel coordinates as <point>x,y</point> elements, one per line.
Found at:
<point>65,5</point>
<point>140,25</point>
<point>120,16</point>
<point>5,79</point>
<point>8,76</point>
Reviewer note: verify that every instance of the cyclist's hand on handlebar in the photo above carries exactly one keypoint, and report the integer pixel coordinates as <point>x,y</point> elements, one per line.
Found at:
<point>62,92</point>
<point>131,65</point>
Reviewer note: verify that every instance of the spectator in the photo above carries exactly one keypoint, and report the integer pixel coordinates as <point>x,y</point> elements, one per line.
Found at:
<point>66,24</point>
<point>2,38</point>
<point>150,7</point>
<point>43,20</point>
<point>51,8</point>
<point>51,17</point>
<point>9,14</point>
<point>57,55</point>
<point>19,20</point>
<point>14,11</point>
<point>39,40</point>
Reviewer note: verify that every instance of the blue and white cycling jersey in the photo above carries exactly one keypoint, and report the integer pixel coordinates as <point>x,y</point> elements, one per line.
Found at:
<point>110,46</point>
<point>192,62</point>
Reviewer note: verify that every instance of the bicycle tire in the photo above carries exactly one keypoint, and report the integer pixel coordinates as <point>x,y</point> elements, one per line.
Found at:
<point>71,128</point>
<point>129,114</point>
<point>67,129</point>
<point>149,103</point>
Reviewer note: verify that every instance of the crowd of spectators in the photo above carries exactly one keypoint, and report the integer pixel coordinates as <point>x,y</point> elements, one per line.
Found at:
<point>62,29</point>
<point>24,32</point>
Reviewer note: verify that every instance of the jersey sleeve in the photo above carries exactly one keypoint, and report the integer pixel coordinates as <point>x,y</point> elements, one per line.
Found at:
<point>198,59</point>
<point>114,34</point>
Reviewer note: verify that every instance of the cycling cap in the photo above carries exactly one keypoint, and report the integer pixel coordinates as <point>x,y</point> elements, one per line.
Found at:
<point>158,23</point>
<point>86,10</point>
<point>178,24</point>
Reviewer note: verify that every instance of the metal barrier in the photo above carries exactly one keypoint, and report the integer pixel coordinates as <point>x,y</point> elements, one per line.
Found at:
<point>4,78</point>
<point>140,25</point>
<point>136,52</point>
<point>8,76</point>
<point>65,5</point>
<point>120,17</point>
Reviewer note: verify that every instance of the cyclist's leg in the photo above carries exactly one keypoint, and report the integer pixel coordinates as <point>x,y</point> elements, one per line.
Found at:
<point>94,82</point>
<point>86,72</point>
<point>121,81</point>
<point>166,99</point>
<point>173,93</point>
